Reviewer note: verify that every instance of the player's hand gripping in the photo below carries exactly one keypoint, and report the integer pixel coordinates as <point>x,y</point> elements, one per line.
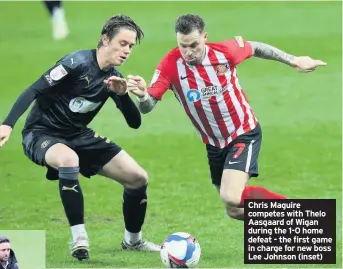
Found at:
<point>306,64</point>
<point>136,85</point>
<point>5,132</point>
<point>116,84</point>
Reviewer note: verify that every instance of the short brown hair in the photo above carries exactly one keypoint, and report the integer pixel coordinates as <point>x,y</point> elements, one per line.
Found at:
<point>115,23</point>
<point>187,23</point>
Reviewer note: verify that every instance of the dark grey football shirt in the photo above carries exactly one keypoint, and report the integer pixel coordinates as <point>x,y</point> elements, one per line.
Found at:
<point>69,95</point>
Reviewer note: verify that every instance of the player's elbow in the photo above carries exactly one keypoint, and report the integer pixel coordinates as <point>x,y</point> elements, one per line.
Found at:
<point>135,124</point>
<point>144,110</point>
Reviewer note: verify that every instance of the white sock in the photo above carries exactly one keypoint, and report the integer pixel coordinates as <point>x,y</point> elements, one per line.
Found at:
<point>132,238</point>
<point>58,13</point>
<point>60,28</point>
<point>78,229</point>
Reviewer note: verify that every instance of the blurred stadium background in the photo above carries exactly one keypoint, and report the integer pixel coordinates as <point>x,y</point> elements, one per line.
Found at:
<point>300,115</point>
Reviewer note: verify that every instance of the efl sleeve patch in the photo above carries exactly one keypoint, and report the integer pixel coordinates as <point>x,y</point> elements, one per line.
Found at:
<point>240,41</point>
<point>155,77</point>
<point>48,79</point>
<point>58,72</point>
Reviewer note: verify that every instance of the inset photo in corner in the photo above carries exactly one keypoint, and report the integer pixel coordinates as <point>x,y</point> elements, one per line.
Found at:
<point>22,249</point>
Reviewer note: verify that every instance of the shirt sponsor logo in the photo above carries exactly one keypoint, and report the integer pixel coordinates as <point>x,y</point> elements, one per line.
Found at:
<point>193,95</point>
<point>204,93</point>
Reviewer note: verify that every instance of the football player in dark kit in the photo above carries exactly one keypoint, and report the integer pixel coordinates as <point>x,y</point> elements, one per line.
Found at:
<point>67,97</point>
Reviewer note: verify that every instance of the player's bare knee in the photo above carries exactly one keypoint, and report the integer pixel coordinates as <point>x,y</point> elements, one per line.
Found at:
<point>60,155</point>
<point>234,212</point>
<point>67,158</point>
<point>135,179</point>
<point>141,178</point>
<point>232,186</point>
<point>69,161</point>
<point>230,199</point>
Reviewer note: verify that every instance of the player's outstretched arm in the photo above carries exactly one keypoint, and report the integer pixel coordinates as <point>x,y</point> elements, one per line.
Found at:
<point>137,86</point>
<point>20,106</point>
<point>265,51</point>
<point>45,84</point>
<point>302,63</point>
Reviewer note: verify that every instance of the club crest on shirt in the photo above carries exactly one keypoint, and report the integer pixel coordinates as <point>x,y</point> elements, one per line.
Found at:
<point>222,69</point>
<point>82,105</point>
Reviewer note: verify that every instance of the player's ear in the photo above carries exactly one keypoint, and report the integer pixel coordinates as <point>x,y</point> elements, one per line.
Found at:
<point>205,36</point>
<point>105,40</point>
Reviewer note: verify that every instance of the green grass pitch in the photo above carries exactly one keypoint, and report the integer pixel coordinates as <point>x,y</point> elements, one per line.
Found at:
<point>300,115</point>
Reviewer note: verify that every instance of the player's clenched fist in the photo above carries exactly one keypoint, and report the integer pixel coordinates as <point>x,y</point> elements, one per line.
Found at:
<point>5,132</point>
<point>136,85</point>
<point>116,84</point>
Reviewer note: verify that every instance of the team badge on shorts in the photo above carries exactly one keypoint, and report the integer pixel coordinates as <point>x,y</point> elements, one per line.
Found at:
<point>45,144</point>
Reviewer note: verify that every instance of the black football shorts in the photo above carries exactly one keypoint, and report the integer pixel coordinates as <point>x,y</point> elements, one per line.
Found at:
<point>241,154</point>
<point>93,150</point>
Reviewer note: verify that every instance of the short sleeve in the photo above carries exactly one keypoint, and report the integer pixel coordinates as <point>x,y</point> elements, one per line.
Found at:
<point>237,53</point>
<point>160,81</point>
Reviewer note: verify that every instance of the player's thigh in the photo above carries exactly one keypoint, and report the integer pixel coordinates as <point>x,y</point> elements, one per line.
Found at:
<point>45,150</point>
<point>241,163</point>
<point>124,169</point>
<point>232,186</point>
<point>99,155</point>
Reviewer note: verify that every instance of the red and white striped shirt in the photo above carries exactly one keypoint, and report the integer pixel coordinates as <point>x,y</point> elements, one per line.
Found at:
<point>209,92</point>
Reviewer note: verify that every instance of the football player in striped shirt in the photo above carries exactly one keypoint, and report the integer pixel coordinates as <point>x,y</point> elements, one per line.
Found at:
<point>203,78</point>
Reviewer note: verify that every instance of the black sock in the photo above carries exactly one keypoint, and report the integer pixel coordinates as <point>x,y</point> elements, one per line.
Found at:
<point>134,208</point>
<point>51,5</point>
<point>71,194</point>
